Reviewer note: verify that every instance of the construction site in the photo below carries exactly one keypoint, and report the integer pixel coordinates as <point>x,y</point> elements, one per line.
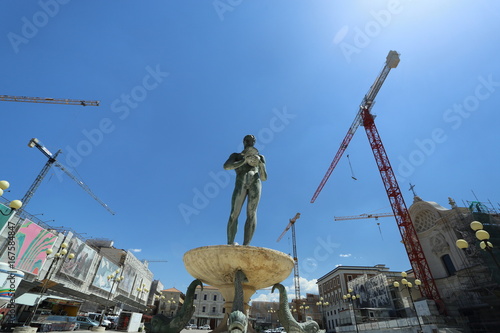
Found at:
<point>453,283</point>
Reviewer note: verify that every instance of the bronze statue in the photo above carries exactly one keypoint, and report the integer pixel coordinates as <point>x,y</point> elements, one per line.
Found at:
<point>250,169</point>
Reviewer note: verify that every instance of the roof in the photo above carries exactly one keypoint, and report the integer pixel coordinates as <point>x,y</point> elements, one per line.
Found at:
<point>207,287</point>
<point>30,299</point>
<point>172,290</point>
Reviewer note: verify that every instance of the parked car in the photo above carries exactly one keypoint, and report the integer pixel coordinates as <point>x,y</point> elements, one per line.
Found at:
<point>205,327</point>
<point>86,323</point>
<point>97,317</point>
<point>191,327</point>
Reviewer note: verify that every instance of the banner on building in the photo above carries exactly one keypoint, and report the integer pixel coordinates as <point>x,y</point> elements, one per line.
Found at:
<point>373,291</point>
<point>79,267</point>
<point>106,268</point>
<point>128,278</point>
<point>31,242</point>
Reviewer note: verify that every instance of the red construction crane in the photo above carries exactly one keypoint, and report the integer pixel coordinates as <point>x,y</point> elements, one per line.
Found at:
<point>403,220</point>
<point>296,277</point>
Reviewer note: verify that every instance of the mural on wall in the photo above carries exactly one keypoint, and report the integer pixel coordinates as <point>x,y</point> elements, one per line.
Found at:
<point>128,279</point>
<point>79,267</point>
<point>373,291</point>
<point>31,243</point>
<point>106,267</point>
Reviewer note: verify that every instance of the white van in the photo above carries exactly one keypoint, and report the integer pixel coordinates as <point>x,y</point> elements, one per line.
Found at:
<point>97,317</point>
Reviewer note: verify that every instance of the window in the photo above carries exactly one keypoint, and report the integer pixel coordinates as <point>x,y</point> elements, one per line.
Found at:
<point>205,297</point>
<point>213,309</point>
<point>223,310</point>
<point>195,296</point>
<point>215,297</point>
<point>448,264</point>
<point>203,309</point>
<point>349,277</point>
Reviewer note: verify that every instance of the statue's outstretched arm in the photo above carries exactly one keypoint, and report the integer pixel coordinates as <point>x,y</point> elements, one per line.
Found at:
<point>234,161</point>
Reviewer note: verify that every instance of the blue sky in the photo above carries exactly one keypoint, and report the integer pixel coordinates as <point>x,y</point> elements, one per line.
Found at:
<point>180,83</point>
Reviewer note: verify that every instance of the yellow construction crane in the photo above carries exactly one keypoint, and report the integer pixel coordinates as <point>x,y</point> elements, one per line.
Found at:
<point>363,216</point>
<point>48,100</point>
<point>34,143</point>
<point>296,262</point>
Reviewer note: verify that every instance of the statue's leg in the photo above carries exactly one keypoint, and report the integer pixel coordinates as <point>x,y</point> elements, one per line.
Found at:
<point>252,203</point>
<point>236,203</point>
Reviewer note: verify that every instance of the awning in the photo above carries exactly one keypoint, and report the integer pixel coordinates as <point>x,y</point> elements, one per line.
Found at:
<point>30,299</point>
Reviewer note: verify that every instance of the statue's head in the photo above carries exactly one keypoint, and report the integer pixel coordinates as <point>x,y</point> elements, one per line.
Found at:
<point>249,140</point>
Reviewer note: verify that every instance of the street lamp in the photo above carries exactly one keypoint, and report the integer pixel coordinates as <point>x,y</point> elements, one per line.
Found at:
<point>483,236</point>
<point>159,299</point>
<point>304,307</point>
<point>351,298</point>
<point>114,279</point>
<point>272,312</point>
<point>141,291</point>
<point>61,255</point>
<point>408,285</point>
<point>322,304</point>
<point>172,303</point>
<point>14,204</point>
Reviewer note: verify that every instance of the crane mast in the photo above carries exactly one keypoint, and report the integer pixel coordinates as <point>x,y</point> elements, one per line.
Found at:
<point>47,100</point>
<point>407,230</point>
<point>296,276</point>
<point>52,160</point>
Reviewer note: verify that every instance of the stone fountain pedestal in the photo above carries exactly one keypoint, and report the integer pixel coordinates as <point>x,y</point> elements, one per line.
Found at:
<point>216,266</point>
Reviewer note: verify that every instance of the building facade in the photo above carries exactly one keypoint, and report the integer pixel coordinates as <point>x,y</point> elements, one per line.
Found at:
<point>335,284</point>
<point>468,280</point>
<point>209,305</point>
<point>90,277</point>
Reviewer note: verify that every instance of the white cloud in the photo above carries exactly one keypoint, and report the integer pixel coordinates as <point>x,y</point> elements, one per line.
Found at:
<point>135,250</point>
<point>345,255</point>
<point>266,297</point>
<point>306,287</point>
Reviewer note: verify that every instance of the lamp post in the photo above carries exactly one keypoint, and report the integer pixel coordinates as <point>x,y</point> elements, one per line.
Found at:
<point>483,236</point>
<point>351,298</point>
<point>408,285</point>
<point>272,312</point>
<point>172,302</point>
<point>304,308</point>
<point>321,305</point>
<point>59,256</point>
<point>159,299</point>
<point>141,291</point>
<point>114,279</point>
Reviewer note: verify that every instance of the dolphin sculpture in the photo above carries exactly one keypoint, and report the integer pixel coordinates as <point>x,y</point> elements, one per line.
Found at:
<point>162,324</point>
<point>286,317</point>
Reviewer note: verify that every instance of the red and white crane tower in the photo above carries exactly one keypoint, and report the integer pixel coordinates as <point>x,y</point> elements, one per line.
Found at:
<point>407,230</point>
